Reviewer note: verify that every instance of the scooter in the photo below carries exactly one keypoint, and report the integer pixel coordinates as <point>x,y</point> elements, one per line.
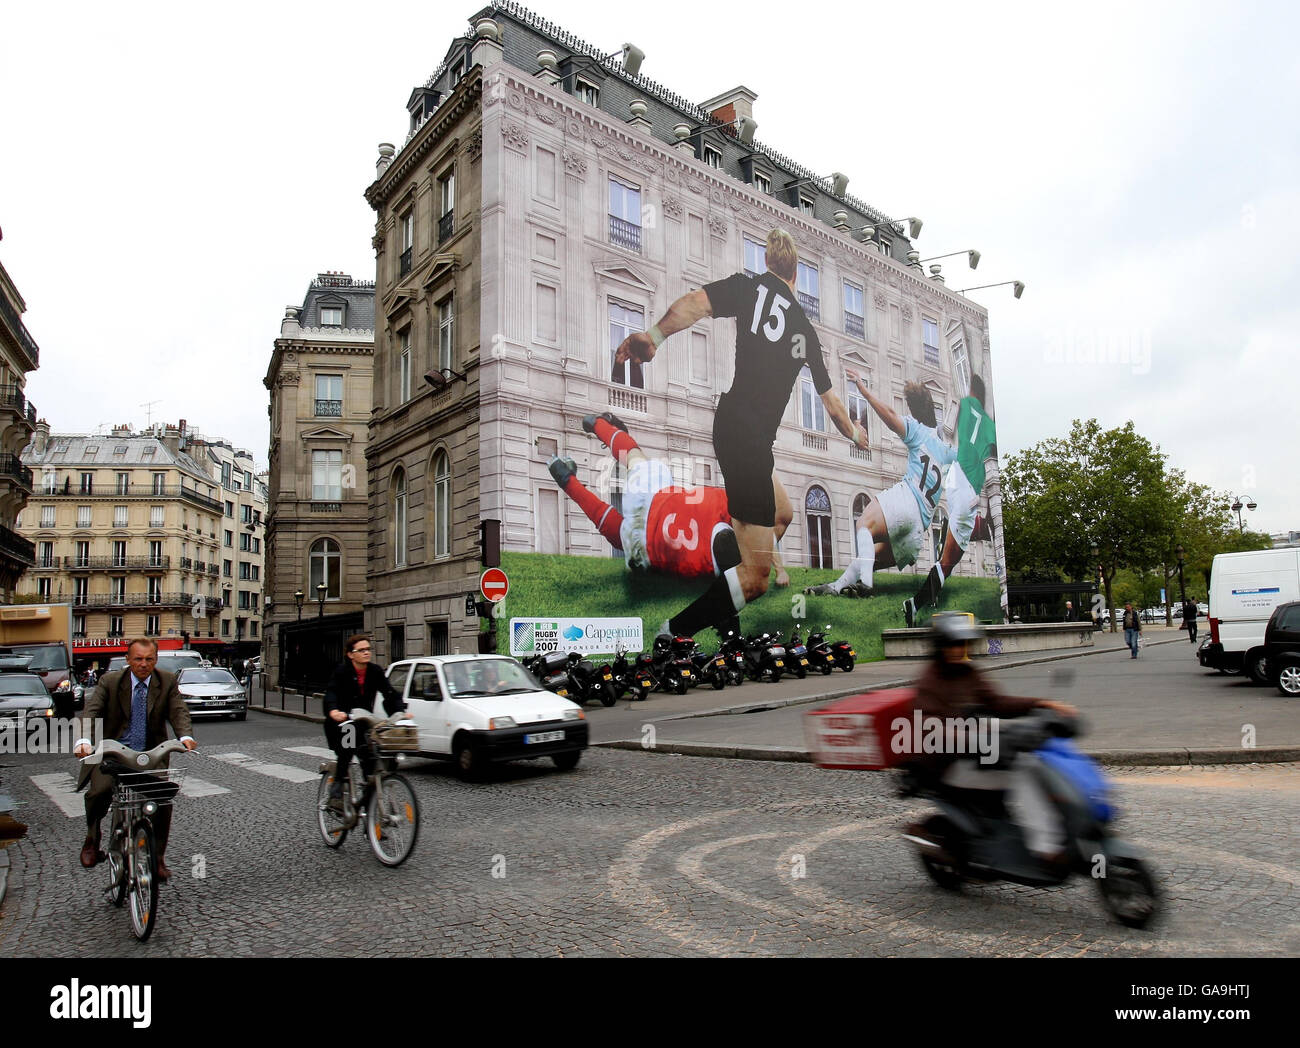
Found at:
<point>665,667</point>
<point>708,667</point>
<point>587,681</point>
<point>975,839</point>
<point>764,658</point>
<point>797,653</point>
<point>551,670</point>
<point>842,650</point>
<point>629,678</point>
<point>733,650</point>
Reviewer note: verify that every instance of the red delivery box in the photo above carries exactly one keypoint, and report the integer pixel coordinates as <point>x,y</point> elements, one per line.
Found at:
<point>856,732</point>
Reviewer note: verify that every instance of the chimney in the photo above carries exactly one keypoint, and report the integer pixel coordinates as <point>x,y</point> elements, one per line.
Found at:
<point>42,437</point>
<point>170,438</point>
<point>732,105</point>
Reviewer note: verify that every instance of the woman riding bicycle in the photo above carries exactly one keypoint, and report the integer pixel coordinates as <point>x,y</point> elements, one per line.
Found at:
<point>354,685</point>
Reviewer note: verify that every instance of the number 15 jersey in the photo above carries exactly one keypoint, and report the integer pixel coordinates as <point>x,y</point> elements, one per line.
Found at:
<point>927,455</point>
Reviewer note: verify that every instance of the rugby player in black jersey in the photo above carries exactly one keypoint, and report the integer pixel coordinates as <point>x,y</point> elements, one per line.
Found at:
<point>774,341</point>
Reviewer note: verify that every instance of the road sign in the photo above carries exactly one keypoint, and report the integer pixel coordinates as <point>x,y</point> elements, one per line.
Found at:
<point>493,584</point>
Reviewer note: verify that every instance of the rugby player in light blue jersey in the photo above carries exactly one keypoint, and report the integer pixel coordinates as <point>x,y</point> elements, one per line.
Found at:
<point>893,526</point>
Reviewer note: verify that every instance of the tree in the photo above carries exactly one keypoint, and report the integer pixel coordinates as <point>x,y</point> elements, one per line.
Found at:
<point>1095,487</point>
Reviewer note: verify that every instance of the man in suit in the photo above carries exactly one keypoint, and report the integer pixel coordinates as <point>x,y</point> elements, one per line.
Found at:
<point>1069,611</point>
<point>136,705</point>
<point>354,685</point>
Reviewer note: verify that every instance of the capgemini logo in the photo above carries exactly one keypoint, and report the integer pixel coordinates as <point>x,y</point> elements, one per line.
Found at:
<point>573,633</point>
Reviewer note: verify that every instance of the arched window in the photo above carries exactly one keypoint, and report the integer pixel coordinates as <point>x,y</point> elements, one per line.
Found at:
<point>817,508</point>
<point>441,509</point>
<point>399,517</point>
<point>326,565</point>
<point>860,503</point>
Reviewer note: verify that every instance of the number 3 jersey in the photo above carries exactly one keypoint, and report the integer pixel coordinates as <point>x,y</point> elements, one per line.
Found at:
<point>927,455</point>
<point>774,341</point>
<point>680,528</point>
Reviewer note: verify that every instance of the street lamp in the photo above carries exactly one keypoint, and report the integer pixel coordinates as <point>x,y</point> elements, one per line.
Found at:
<point>297,599</point>
<point>1182,592</point>
<point>321,589</point>
<point>1250,504</point>
<point>1017,285</point>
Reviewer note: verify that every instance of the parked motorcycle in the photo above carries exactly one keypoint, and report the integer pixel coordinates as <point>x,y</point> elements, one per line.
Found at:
<point>764,658</point>
<point>733,650</point>
<point>628,677</point>
<point>797,654</point>
<point>708,667</point>
<point>551,670</point>
<point>974,838</point>
<point>666,668</point>
<point>841,651</point>
<point>589,681</point>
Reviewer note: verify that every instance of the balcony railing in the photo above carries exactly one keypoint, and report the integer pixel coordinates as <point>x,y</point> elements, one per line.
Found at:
<point>327,507</point>
<point>12,397</point>
<point>812,305</point>
<point>15,324</point>
<point>158,491</point>
<point>145,600</point>
<point>624,234</point>
<point>932,356</point>
<point>187,564</point>
<point>862,454</point>
<point>404,262</point>
<point>627,400</point>
<point>17,547</point>
<point>329,408</point>
<point>11,466</point>
<point>120,563</point>
<point>815,442</point>
<point>446,224</point>
<point>853,325</point>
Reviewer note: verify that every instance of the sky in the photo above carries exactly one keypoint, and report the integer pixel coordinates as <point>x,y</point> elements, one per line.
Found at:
<point>172,176</point>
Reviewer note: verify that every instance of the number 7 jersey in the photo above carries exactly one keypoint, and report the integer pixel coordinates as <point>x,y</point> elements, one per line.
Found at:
<point>927,455</point>
<point>977,440</point>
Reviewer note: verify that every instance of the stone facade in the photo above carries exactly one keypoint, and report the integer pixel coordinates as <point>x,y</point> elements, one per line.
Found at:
<point>18,356</point>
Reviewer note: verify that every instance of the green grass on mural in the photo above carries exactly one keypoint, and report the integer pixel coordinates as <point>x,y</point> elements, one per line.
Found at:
<point>546,585</point>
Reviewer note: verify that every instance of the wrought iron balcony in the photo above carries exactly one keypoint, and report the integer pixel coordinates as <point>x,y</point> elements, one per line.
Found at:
<point>15,546</point>
<point>624,234</point>
<point>158,491</point>
<point>446,224</point>
<point>13,398</point>
<point>11,466</point>
<point>327,507</point>
<point>162,601</point>
<point>853,325</point>
<point>15,324</point>
<point>111,563</point>
<point>329,408</point>
<point>404,261</point>
<point>812,305</point>
<point>932,356</point>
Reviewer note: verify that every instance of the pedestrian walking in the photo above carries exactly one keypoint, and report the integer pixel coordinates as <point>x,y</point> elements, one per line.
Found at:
<point>1132,628</point>
<point>1069,611</point>
<point>1189,620</point>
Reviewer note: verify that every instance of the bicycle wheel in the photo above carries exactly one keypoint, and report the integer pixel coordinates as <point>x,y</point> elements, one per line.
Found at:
<point>117,844</point>
<point>393,821</point>
<point>142,870</point>
<point>331,823</point>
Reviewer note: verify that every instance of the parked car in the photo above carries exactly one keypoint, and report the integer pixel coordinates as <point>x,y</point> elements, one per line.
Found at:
<point>212,692</point>
<point>1282,648</point>
<point>1244,590</point>
<point>49,661</point>
<point>477,710</point>
<point>24,695</point>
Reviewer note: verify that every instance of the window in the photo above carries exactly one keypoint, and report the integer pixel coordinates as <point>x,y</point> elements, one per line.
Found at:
<point>623,321</point>
<point>446,331</point>
<point>43,587</point>
<point>50,480</point>
<point>45,555</point>
<point>755,257</point>
<point>584,92</point>
<point>887,248</point>
<point>930,341</point>
<point>117,590</point>
<point>148,452</point>
<point>624,215</point>
<point>853,311</point>
<point>712,156</point>
<point>246,514</point>
<point>121,516</point>
<point>408,242</point>
<point>119,449</point>
<point>252,626</point>
<point>119,553</point>
<point>229,538</point>
<point>230,509</point>
<point>699,358</point>
<point>438,638</point>
<point>817,507</point>
<point>812,412</point>
<point>763,183</point>
<point>331,316</point>
<point>156,553</point>
<point>404,366</point>
<point>83,555</point>
<point>225,475</point>
<point>807,205</point>
<point>446,205</point>
<point>124,483</point>
<point>78,625</point>
<point>88,483</point>
<point>160,483</point>
<point>243,543</point>
<point>960,367</point>
<point>326,565</point>
<point>80,589</point>
<point>92,449</point>
<point>441,504</point>
<point>225,568</point>
<point>257,544</point>
<point>808,290</point>
<point>151,624</point>
<point>326,476</point>
<point>243,600</point>
<point>399,518</point>
<point>329,395</point>
<point>155,591</point>
<point>857,407</point>
<point>245,574</point>
<point>47,516</point>
<point>83,516</point>
<point>115,626</point>
<point>225,627</point>
<point>248,481</point>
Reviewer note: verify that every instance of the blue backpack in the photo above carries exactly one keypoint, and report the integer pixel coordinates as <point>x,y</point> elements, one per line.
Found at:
<point>1083,771</point>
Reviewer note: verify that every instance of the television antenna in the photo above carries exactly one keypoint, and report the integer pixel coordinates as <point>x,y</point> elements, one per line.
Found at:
<point>148,407</point>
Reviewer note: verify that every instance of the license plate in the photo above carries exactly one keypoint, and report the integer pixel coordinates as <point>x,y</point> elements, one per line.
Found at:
<point>779,662</point>
<point>609,676</point>
<point>686,673</point>
<point>563,693</point>
<point>215,702</point>
<point>803,662</point>
<point>852,652</point>
<point>721,663</point>
<point>544,736</point>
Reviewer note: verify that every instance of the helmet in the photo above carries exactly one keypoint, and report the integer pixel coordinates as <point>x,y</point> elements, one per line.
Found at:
<point>949,628</point>
<point>663,642</point>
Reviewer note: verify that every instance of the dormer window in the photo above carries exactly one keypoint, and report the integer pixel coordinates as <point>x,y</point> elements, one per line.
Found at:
<point>712,156</point>
<point>585,91</point>
<point>887,248</point>
<point>763,183</point>
<point>331,316</point>
<point>806,204</point>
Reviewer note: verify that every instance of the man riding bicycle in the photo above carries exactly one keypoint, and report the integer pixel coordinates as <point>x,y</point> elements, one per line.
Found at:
<point>354,685</point>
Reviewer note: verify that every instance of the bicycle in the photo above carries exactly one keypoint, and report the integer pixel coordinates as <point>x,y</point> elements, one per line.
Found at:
<point>384,799</point>
<point>141,785</point>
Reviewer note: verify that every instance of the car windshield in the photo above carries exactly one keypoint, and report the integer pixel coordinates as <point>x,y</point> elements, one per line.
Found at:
<point>44,656</point>
<point>201,676</point>
<point>178,662</point>
<point>12,684</point>
<point>487,677</point>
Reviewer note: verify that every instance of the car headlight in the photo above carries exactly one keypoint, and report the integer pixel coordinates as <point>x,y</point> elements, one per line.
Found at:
<point>501,722</point>
<point>574,715</point>
<point>66,685</point>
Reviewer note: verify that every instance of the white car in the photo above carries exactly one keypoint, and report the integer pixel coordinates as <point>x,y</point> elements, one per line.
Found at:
<point>478,710</point>
<point>212,692</point>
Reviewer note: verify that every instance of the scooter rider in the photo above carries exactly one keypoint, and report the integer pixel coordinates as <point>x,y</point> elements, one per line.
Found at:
<point>952,687</point>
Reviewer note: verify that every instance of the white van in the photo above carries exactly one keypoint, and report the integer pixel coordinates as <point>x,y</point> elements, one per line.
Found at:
<point>1244,590</point>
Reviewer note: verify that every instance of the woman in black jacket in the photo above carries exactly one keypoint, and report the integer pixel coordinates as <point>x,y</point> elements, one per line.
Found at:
<point>354,685</point>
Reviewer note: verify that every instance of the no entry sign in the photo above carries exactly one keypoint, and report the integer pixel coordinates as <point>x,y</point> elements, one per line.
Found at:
<point>493,584</point>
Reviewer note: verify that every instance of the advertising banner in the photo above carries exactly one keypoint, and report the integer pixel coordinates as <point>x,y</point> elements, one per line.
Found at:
<point>588,636</point>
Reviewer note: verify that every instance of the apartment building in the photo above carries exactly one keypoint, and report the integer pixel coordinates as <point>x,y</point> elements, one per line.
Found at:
<point>19,355</point>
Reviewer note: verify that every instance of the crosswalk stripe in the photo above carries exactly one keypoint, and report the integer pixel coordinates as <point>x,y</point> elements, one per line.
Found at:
<point>200,788</point>
<point>61,788</point>
<point>276,771</point>
<point>323,752</point>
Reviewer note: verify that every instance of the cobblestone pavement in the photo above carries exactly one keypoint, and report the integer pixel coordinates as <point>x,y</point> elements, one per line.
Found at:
<point>643,854</point>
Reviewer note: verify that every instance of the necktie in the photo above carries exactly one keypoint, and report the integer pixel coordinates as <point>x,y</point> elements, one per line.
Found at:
<point>135,733</point>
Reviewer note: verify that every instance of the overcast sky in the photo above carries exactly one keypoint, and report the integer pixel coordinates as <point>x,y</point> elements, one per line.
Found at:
<point>172,176</point>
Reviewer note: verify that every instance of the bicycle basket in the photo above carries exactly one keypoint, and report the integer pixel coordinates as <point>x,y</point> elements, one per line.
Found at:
<point>392,738</point>
<point>159,785</point>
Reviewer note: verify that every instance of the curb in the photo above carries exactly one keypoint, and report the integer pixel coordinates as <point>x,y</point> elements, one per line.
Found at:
<point>1171,758</point>
<point>313,717</point>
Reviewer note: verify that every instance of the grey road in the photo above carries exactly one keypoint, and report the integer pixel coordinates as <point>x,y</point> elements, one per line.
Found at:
<point>635,854</point>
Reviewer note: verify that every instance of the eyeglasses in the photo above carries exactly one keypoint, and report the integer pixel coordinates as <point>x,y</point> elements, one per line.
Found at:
<point>360,651</point>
